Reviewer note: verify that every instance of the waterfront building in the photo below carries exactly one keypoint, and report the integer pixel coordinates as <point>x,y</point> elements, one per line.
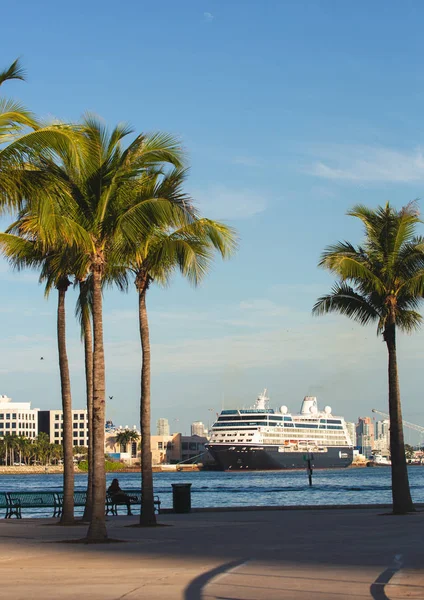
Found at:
<point>166,449</point>
<point>351,427</point>
<point>382,436</point>
<point>197,428</point>
<point>162,427</point>
<point>18,418</point>
<point>365,435</point>
<point>128,453</point>
<point>51,422</point>
<point>193,447</point>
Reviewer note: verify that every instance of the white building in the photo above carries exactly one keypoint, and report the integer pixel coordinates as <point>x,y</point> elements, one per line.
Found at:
<point>162,427</point>
<point>51,422</point>
<point>197,428</point>
<point>382,436</point>
<point>351,427</point>
<point>18,418</point>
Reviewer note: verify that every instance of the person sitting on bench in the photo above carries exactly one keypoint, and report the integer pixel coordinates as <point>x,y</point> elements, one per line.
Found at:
<point>118,496</point>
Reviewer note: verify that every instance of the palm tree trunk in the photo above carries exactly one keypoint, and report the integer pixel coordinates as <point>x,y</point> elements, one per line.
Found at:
<point>88,350</point>
<point>402,501</point>
<point>97,530</point>
<point>147,514</point>
<point>65,383</point>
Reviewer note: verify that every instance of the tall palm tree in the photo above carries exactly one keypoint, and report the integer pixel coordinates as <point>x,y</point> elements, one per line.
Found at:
<point>97,202</point>
<point>83,313</point>
<point>56,265</point>
<point>382,281</point>
<point>189,248</point>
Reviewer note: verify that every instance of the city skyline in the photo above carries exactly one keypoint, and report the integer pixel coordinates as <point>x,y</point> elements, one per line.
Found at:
<point>377,438</point>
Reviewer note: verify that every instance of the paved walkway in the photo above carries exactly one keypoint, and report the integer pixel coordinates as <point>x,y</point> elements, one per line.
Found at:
<point>293,555</point>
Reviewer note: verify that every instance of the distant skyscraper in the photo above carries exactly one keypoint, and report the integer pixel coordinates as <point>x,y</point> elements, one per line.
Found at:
<point>197,428</point>
<point>382,436</point>
<point>162,427</point>
<point>365,435</point>
<point>351,427</point>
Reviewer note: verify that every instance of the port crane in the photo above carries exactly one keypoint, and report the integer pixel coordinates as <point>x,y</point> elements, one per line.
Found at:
<point>410,425</point>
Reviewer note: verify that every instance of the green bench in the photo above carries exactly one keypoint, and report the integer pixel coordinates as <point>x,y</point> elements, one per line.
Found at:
<point>135,499</point>
<point>14,502</point>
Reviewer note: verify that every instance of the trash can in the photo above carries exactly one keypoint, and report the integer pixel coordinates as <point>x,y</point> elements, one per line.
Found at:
<point>181,497</point>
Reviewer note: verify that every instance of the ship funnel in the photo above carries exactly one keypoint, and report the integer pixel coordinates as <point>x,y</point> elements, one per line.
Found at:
<point>309,405</point>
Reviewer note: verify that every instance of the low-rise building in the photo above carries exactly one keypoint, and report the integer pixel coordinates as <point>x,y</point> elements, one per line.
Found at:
<point>193,448</point>
<point>128,452</point>
<point>166,449</point>
<point>18,418</point>
<point>51,422</point>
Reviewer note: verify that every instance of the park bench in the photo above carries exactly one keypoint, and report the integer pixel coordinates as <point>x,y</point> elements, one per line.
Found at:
<point>3,501</point>
<point>14,502</point>
<point>135,499</point>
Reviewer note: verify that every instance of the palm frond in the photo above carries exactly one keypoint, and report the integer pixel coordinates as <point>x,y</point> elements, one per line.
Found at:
<point>15,71</point>
<point>345,301</point>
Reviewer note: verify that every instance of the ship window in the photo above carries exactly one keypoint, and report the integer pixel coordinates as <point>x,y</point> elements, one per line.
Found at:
<point>288,425</point>
<point>334,421</point>
<point>288,419</point>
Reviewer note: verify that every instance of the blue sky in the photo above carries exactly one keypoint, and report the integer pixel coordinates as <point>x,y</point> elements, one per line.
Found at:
<point>290,112</point>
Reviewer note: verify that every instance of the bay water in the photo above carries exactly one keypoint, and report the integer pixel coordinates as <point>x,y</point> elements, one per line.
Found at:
<point>247,488</point>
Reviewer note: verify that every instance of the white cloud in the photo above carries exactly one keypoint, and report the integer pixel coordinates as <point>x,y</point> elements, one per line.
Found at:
<point>225,203</point>
<point>367,164</point>
<point>247,161</point>
<point>208,16</point>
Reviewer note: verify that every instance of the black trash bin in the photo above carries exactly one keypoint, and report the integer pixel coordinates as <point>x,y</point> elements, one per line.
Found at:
<point>181,497</point>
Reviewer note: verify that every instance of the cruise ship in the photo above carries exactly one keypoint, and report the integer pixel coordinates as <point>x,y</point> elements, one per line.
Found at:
<point>261,438</point>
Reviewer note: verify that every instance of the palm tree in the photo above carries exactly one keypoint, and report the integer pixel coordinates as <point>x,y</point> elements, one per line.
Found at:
<point>190,249</point>
<point>125,437</point>
<point>83,312</point>
<point>9,443</point>
<point>98,202</point>
<point>43,447</point>
<point>56,264</point>
<point>382,281</point>
<point>22,138</point>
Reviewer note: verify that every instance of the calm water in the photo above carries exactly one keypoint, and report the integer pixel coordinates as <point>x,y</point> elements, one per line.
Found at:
<point>213,488</point>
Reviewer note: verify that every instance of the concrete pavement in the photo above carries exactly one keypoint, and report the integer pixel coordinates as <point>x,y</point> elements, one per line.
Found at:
<point>259,555</point>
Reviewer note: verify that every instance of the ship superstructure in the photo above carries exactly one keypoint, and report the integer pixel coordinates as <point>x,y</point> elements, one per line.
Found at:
<point>263,438</point>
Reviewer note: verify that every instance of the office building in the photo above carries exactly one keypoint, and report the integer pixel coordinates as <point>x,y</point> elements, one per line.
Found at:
<point>197,428</point>
<point>365,435</point>
<point>382,436</point>
<point>162,427</point>
<point>351,427</point>
<point>18,418</point>
<point>51,422</point>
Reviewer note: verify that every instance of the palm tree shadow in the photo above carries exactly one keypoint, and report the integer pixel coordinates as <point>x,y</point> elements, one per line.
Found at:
<point>194,590</point>
<point>377,588</point>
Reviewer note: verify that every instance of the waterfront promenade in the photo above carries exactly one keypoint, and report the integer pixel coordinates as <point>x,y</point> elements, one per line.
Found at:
<point>258,555</point>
